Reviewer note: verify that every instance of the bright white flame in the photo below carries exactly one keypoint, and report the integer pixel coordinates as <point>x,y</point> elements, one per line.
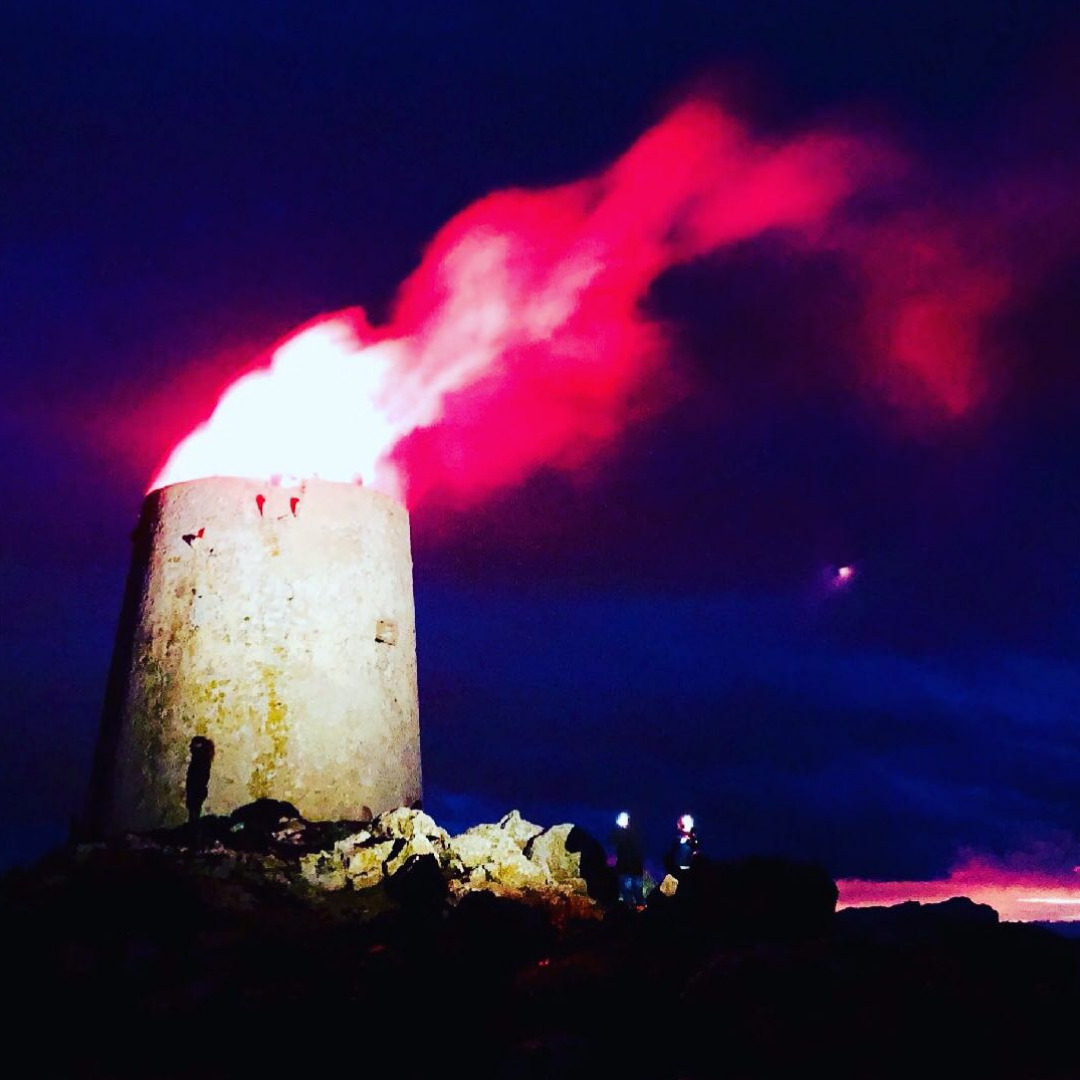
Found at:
<point>686,823</point>
<point>623,820</point>
<point>318,410</point>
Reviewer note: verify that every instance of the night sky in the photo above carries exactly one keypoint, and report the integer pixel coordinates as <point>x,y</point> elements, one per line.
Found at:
<point>660,628</point>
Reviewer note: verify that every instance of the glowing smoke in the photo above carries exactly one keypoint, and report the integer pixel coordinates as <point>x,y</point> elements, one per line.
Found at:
<point>931,282</point>
<point>520,340</point>
<point>521,332</point>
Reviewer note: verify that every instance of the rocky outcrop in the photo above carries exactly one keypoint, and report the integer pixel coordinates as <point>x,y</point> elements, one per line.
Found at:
<point>518,829</point>
<point>548,850</point>
<point>377,851</point>
<point>912,920</point>
<point>495,853</point>
<point>180,956</point>
<point>511,857</point>
<point>561,867</point>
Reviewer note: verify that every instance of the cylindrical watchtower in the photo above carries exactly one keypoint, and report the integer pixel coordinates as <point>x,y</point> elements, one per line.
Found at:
<point>278,623</point>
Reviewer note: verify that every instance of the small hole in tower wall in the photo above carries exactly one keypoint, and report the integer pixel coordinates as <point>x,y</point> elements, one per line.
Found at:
<point>386,631</point>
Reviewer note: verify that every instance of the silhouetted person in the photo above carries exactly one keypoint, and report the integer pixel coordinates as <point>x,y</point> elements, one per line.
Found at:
<point>684,848</point>
<point>629,865</point>
<point>198,775</point>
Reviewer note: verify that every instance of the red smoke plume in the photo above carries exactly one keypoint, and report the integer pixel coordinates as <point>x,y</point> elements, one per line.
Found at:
<point>930,289</point>
<point>520,337</point>
<point>520,340</point>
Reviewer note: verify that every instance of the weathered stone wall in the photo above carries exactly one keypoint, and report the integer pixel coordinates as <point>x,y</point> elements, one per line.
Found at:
<point>279,623</point>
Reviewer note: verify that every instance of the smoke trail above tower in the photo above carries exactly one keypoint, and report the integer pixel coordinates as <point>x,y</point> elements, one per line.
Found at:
<point>522,338</point>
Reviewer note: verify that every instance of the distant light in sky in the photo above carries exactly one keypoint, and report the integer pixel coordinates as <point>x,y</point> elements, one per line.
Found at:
<point>845,574</point>
<point>623,820</point>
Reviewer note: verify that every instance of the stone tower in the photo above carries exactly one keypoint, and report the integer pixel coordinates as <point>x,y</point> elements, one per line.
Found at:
<point>278,623</point>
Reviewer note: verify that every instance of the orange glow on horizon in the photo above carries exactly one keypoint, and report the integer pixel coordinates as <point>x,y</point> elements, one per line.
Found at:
<point>1017,896</point>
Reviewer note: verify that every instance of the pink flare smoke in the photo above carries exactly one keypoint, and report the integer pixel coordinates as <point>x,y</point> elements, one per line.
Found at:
<point>930,289</point>
<point>520,336</point>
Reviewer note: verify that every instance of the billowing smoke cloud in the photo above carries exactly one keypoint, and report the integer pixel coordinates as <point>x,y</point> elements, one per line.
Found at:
<point>521,340</point>
<point>929,294</point>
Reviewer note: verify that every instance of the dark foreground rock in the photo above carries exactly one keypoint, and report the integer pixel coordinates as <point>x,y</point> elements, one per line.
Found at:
<point>285,948</point>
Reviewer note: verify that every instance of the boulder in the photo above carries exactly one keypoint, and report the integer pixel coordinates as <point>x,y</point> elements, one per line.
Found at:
<point>366,866</point>
<point>357,861</point>
<point>489,834</point>
<point>324,870</point>
<point>548,851</point>
<point>471,849</point>
<point>490,853</point>
<point>518,829</point>
<point>419,846</point>
<point>508,866</point>
<point>414,834</point>
<point>407,824</point>
<point>511,826</point>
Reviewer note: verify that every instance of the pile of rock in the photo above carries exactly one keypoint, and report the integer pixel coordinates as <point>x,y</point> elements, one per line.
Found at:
<point>512,856</point>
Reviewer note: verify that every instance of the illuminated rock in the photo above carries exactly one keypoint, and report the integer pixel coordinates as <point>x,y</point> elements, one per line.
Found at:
<point>367,865</point>
<point>381,850</point>
<point>324,871</point>
<point>407,824</point>
<point>412,833</point>
<point>509,866</point>
<point>518,829</point>
<point>489,852</point>
<point>473,849</point>
<point>548,850</point>
<point>405,850</point>
<point>496,854</point>
<point>277,623</point>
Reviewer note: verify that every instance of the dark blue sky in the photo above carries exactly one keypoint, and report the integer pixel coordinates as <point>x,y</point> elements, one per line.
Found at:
<point>183,183</point>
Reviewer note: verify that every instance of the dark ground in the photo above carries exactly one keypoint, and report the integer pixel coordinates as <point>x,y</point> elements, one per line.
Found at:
<point>151,960</point>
